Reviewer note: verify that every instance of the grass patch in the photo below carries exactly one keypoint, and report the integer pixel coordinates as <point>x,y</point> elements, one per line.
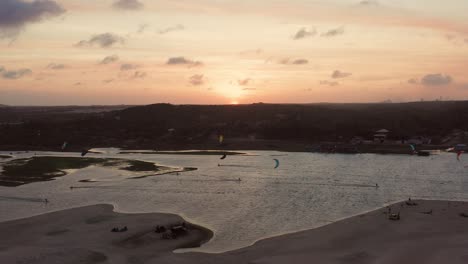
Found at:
<point>138,165</point>
<point>23,171</point>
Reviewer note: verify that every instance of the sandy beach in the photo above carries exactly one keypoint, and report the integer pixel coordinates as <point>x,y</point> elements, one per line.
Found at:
<point>429,232</point>
<point>83,235</point>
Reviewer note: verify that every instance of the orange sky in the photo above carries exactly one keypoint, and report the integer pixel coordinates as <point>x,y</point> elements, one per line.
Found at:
<point>225,51</point>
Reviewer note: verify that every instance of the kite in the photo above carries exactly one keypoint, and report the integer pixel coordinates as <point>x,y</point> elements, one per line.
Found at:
<point>84,152</point>
<point>277,163</point>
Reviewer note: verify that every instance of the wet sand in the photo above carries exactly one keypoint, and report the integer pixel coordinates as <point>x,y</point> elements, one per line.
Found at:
<point>83,235</point>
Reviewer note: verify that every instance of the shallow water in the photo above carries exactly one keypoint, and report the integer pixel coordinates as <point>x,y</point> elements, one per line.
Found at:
<point>307,190</point>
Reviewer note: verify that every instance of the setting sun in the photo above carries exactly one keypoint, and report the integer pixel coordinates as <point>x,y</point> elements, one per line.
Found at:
<point>234,102</point>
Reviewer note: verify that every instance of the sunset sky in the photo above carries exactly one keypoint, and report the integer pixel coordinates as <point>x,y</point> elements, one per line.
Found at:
<point>86,52</point>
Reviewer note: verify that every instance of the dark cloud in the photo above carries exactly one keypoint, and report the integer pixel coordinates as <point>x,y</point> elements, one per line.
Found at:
<point>329,83</point>
<point>304,33</point>
<point>436,80</point>
<point>128,67</point>
<point>109,59</point>
<point>128,4</point>
<point>183,61</point>
<point>413,81</point>
<point>108,81</point>
<point>104,40</point>
<point>300,61</point>
<point>244,82</point>
<point>14,74</point>
<point>197,79</point>
<point>77,84</point>
<point>333,32</point>
<point>172,29</point>
<point>339,74</point>
<point>54,66</point>
<point>139,75</point>
<point>16,14</point>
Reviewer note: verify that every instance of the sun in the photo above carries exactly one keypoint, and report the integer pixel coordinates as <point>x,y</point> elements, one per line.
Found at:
<point>235,102</point>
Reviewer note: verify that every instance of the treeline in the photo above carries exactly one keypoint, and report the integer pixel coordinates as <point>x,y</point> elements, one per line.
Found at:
<point>179,124</point>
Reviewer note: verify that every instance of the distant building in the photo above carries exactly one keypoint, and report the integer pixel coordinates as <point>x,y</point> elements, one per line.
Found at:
<point>381,135</point>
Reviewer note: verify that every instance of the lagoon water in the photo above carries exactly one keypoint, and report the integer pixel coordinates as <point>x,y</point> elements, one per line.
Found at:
<point>307,190</point>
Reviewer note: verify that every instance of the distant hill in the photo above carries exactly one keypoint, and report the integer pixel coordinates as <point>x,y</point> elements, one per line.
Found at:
<point>180,126</point>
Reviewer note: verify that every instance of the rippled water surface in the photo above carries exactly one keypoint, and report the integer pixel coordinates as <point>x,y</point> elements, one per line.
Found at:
<point>306,191</point>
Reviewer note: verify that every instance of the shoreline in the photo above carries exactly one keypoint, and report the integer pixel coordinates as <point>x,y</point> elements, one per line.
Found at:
<point>239,149</point>
<point>432,231</point>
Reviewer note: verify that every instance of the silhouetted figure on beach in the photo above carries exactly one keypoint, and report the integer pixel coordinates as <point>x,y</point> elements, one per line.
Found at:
<point>410,202</point>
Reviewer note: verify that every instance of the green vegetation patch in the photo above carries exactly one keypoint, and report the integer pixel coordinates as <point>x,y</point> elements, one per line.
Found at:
<point>23,171</point>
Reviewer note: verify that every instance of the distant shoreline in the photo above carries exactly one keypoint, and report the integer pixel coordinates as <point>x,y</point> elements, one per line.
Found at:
<point>260,145</point>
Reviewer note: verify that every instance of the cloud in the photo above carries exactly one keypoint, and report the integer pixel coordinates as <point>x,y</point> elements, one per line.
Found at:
<point>77,84</point>
<point>251,52</point>
<point>288,61</point>
<point>142,28</point>
<point>300,61</point>
<point>128,67</point>
<point>172,29</point>
<point>284,61</point>
<point>249,89</point>
<point>139,75</point>
<point>333,32</point>
<point>104,40</point>
<point>339,74</point>
<point>413,81</point>
<point>14,74</point>
<point>244,82</point>
<point>128,4</point>
<point>304,33</point>
<point>197,80</point>
<point>369,3</point>
<point>466,40</point>
<point>109,59</point>
<point>108,81</point>
<point>329,83</point>
<point>16,14</point>
<point>54,66</point>
<point>436,80</point>
<point>183,61</point>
